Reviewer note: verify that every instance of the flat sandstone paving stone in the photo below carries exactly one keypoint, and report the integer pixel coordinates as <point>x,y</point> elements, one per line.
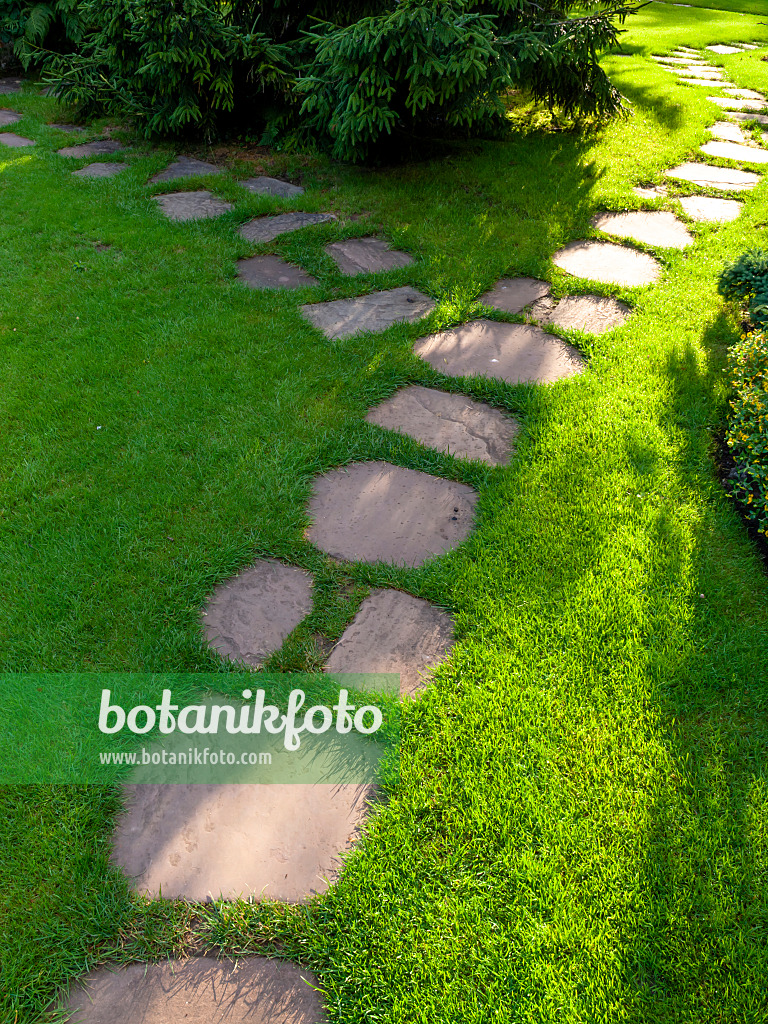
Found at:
<point>726,178</point>
<point>8,117</point>
<point>265,229</point>
<point>394,632</point>
<point>272,272</point>
<point>593,314</point>
<point>733,104</point>
<point>654,227</point>
<point>199,990</point>
<point>727,132</point>
<point>366,256</point>
<point>723,49</point>
<point>377,512</point>
<point>104,147</point>
<point>99,170</point>
<point>265,186</point>
<point>184,167</point>
<point>15,141</point>
<point>737,115</point>
<point>449,423</point>
<point>745,94</point>
<point>515,353</point>
<point>733,151</point>
<point>375,312</point>
<point>608,263</point>
<point>513,294</point>
<point>184,206</point>
<point>248,618</point>
<point>707,208</point>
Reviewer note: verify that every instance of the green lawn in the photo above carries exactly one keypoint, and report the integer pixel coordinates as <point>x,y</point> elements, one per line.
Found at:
<point>580,831</point>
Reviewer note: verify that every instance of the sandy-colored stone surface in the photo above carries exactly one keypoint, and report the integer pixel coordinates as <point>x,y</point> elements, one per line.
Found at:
<point>746,94</point>
<point>654,227</point>
<point>702,75</point>
<point>183,206</point>
<point>450,423</point>
<point>725,178</point>
<point>184,167</point>
<point>737,115</point>
<point>650,191</point>
<point>669,60</point>
<point>15,141</point>
<point>265,229</point>
<point>377,512</point>
<point>394,632</point>
<point>707,208</point>
<point>733,151</point>
<point>695,81</point>
<point>248,617</point>
<point>103,147</point>
<point>513,294</point>
<point>272,272</point>
<point>729,103</point>
<point>99,170</point>
<point>722,48</point>
<point>591,313</point>
<point>516,353</point>
<point>728,132</point>
<point>375,312</point>
<point>201,990</point>
<point>366,256</point>
<point>265,186</point>
<point>8,117</point>
<point>608,263</point>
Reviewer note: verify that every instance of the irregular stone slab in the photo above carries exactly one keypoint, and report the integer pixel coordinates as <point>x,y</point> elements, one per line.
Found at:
<point>742,118</point>
<point>70,129</point>
<point>99,170</point>
<point>375,312</point>
<point>450,423</point>
<point>732,104</point>
<point>104,147</point>
<point>651,192</point>
<point>513,294</point>
<point>185,167</point>
<point>9,117</point>
<point>746,94</point>
<point>184,206</point>
<point>608,263</point>
<point>15,141</point>
<point>366,256</point>
<point>265,229</point>
<point>248,618</point>
<point>707,208</point>
<point>654,227</point>
<point>721,48</point>
<point>394,632</point>
<point>10,84</point>
<point>377,512</point>
<point>264,186</point>
<point>670,60</point>
<point>515,353</point>
<point>696,81</point>
<point>728,132</point>
<point>732,151</point>
<point>726,178</point>
<point>200,990</point>
<point>271,272</point>
<point>590,313</point>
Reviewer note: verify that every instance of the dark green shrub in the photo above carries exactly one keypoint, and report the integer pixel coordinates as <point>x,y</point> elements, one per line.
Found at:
<point>747,433</point>
<point>746,281</point>
<point>32,28</point>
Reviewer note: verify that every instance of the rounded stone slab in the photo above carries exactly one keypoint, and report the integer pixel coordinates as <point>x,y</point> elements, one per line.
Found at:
<point>104,147</point>
<point>264,186</point>
<point>377,512</point>
<point>280,841</point>
<point>200,990</point>
<point>184,167</point>
<point>272,272</point>
<point>248,618</point>
<point>265,229</point>
<point>593,314</point>
<point>727,103</point>
<point>607,263</point>
<point>449,423</point>
<point>366,256</point>
<point>513,294</point>
<point>515,353</point>
<point>15,141</point>
<point>706,208</point>
<point>654,227</point>
<point>183,206</point>
<point>394,632</point>
<point>375,312</point>
<point>732,151</point>
<point>726,178</point>
<point>9,117</point>
<point>99,170</point>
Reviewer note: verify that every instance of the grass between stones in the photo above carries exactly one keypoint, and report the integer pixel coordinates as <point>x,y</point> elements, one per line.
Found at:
<point>579,831</point>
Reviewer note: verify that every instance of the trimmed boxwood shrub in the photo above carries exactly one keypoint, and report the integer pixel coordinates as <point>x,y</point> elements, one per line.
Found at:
<point>747,433</point>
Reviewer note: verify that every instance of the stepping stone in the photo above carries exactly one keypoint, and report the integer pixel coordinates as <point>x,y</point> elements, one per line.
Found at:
<point>375,312</point>
<point>248,618</point>
<point>746,94</point>
<point>450,423</point>
<point>104,147</point>
<point>721,48</point>
<point>184,167</point>
<point>99,170</point>
<point>590,313</point>
<point>263,186</point>
<point>70,129</point>
<point>732,151</point>
<point>706,208</point>
<point>394,632</point>
<point>726,178</point>
<point>742,118</point>
<point>366,256</point>
<point>182,206</point>
<point>15,141</point>
<point>670,60</point>
<point>199,990</point>
<point>377,512</point>
<point>608,263</point>
<point>9,85</point>
<point>654,227</point>
<point>271,272</point>
<point>651,192</point>
<point>8,117</point>
<point>265,229</point>
<point>697,81</point>
<point>515,353</point>
<point>734,104</point>
<point>727,132</point>
<point>513,294</point>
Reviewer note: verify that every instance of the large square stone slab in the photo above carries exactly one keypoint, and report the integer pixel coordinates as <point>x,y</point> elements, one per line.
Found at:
<point>264,186</point>
<point>727,103</point>
<point>726,178</point>
<point>99,170</point>
<point>103,147</point>
<point>377,512</point>
<point>248,618</point>
<point>272,272</point>
<point>608,263</point>
<point>654,227</point>
<point>375,312</point>
<point>515,353</point>
<point>265,229</point>
<point>394,632</point>
<point>513,294</point>
<point>8,117</point>
<point>593,314</point>
<point>185,167</point>
<point>200,990</point>
<point>183,206</point>
<point>709,209</point>
<point>733,151</point>
<point>366,256</point>
<point>450,423</point>
<point>15,141</point>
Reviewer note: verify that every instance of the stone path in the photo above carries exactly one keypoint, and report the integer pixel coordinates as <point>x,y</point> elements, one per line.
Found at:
<point>102,147</point>
<point>183,206</point>
<point>366,256</point>
<point>272,272</point>
<point>725,178</point>
<point>513,294</point>
<point>184,167</point>
<point>15,141</point>
<point>99,170</point>
<point>8,117</point>
<point>655,227</point>
<point>266,229</point>
<point>342,318</point>
<point>264,186</point>
<point>9,84</point>
<point>608,263</point>
<point>733,151</point>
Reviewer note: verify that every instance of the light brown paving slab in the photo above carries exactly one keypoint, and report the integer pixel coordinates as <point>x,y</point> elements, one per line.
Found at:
<point>394,632</point>
<point>183,206</point>
<point>375,312</point>
<point>732,151</point>
<point>15,141</point>
<point>264,186</point>
<point>377,512</point>
<point>8,117</point>
<point>366,256</point>
<point>103,147</point>
<point>99,170</point>
<point>696,81</point>
<point>608,263</point>
<point>449,423</point>
<point>271,272</point>
<point>265,229</point>
<point>200,990</point>
<point>591,313</point>
<point>728,132</point>
<point>746,94</point>
<point>185,167</point>
<point>654,227</point>
<point>248,618</point>
<point>742,118</point>
<point>727,103</point>
<point>726,178</point>
<point>515,353</point>
<point>651,192</point>
<point>513,294</point>
<point>707,208</point>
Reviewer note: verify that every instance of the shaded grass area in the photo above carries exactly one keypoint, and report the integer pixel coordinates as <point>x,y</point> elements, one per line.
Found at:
<point>579,831</point>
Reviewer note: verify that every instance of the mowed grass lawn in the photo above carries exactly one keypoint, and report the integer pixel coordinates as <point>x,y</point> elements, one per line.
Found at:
<point>579,830</point>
